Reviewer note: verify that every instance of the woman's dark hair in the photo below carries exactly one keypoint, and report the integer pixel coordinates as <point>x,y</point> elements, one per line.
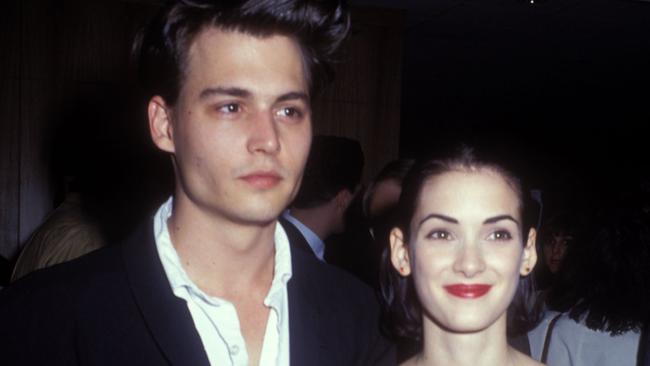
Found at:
<point>605,279</point>
<point>401,305</point>
<point>319,26</point>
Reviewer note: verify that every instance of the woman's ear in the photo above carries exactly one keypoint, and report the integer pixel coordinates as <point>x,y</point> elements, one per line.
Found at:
<point>399,254</point>
<point>529,257</point>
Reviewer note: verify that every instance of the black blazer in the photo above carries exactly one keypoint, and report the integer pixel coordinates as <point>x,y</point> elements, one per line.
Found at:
<point>115,307</point>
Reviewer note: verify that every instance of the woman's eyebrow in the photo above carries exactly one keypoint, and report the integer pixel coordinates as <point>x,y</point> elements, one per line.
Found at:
<point>492,220</point>
<point>439,217</point>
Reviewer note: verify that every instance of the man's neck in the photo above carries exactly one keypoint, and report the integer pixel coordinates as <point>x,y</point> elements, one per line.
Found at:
<point>223,258</point>
<point>316,219</point>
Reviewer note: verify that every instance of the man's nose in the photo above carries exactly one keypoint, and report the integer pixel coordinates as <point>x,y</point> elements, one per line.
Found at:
<point>263,132</point>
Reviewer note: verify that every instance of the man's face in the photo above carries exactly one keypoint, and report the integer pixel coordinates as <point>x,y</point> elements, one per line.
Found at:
<point>241,129</point>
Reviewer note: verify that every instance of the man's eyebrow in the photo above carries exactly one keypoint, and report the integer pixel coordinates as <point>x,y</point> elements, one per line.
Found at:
<point>243,93</point>
<point>293,96</point>
<point>494,219</point>
<point>229,91</point>
<point>439,217</point>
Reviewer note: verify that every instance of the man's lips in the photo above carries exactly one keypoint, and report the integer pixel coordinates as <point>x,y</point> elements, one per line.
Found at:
<point>262,180</point>
<point>468,291</point>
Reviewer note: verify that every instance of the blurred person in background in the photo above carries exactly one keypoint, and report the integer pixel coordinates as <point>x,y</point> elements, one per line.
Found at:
<point>603,289</point>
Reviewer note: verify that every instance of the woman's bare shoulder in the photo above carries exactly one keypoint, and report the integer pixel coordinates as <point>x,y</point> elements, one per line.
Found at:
<point>524,360</point>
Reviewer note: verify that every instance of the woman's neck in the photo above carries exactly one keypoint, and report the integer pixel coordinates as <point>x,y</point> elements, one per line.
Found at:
<point>486,347</point>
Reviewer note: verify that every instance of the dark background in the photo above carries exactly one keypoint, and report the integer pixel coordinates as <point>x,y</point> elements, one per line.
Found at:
<point>565,82</point>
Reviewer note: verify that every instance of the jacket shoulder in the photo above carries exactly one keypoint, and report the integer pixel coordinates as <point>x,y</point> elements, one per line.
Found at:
<point>348,311</point>
<point>39,313</point>
<point>78,273</point>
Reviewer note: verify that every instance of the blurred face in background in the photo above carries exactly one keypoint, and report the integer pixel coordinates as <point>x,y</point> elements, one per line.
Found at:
<point>384,197</point>
<point>554,250</point>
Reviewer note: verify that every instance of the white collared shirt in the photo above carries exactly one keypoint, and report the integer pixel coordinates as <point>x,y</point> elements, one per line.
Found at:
<point>216,319</point>
<point>316,243</point>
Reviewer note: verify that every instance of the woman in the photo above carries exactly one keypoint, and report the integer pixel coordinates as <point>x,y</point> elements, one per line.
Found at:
<point>603,289</point>
<point>462,241</point>
<point>556,234</point>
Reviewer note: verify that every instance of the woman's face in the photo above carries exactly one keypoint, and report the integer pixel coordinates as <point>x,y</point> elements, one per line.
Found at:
<point>465,250</point>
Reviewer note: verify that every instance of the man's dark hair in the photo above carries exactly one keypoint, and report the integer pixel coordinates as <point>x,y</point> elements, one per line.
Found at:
<point>319,27</point>
<point>334,164</point>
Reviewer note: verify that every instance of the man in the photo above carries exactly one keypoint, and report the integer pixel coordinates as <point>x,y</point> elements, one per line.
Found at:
<point>331,179</point>
<point>68,232</point>
<point>212,279</point>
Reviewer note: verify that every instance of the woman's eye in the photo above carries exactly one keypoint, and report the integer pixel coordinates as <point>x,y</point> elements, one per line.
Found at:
<point>439,235</point>
<point>500,235</point>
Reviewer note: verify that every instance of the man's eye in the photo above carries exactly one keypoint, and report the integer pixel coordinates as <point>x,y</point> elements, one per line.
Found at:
<point>439,235</point>
<point>500,235</point>
<point>230,108</point>
<point>289,112</point>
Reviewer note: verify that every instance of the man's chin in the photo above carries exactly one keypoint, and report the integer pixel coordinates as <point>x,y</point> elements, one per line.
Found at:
<point>261,218</point>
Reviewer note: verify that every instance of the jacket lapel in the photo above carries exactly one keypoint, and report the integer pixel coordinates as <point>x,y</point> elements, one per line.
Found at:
<point>166,315</point>
<point>306,343</point>
<point>296,239</point>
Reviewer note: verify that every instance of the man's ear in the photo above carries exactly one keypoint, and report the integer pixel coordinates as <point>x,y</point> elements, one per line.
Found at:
<point>343,199</point>
<point>529,257</point>
<point>399,254</point>
<point>160,124</point>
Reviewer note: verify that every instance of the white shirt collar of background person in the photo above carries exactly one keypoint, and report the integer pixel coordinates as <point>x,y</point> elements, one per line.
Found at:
<point>216,319</point>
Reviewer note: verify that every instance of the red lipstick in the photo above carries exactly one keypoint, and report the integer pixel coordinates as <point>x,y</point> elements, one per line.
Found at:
<point>262,180</point>
<point>468,291</point>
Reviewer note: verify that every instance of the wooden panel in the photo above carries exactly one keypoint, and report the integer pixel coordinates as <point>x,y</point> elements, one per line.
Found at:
<point>364,100</point>
<point>94,40</point>
<point>36,189</point>
<point>39,47</point>
<point>39,39</point>
<point>9,126</point>
<point>10,40</point>
<point>357,73</point>
<point>360,122</point>
<point>344,119</point>
<point>9,166</point>
<point>385,127</point>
